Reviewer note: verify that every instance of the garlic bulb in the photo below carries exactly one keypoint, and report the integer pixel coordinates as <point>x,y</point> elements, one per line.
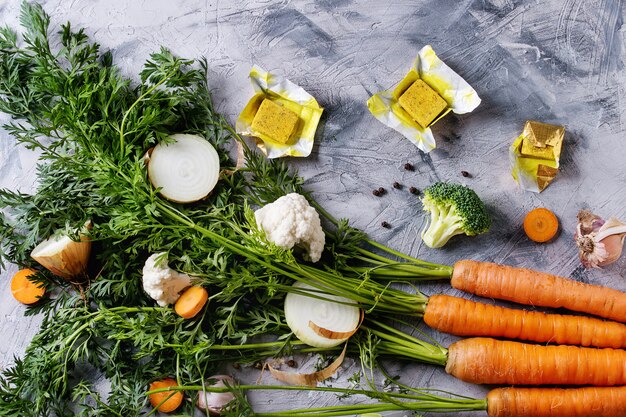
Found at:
<point>216,402</point>
<point>599,242</point>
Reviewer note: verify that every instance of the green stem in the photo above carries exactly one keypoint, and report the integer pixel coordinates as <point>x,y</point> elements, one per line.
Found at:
<point>419,267</point>
<point>139,100</point>
<point>370,295</point>
<point>418,400</point>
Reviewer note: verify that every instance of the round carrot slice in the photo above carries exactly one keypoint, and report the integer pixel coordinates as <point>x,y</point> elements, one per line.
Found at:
<point>166,401</point>
<point>24,290</point>
<point>191,302</point>
<point>540,225</point>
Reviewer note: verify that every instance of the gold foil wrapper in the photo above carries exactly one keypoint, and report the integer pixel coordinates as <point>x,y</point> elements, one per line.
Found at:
<point>450,86</point>
<point>289,95</point>
<point>535,155</point>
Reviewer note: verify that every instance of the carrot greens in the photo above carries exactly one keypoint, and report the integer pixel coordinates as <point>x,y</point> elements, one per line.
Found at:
<point>91,128</point>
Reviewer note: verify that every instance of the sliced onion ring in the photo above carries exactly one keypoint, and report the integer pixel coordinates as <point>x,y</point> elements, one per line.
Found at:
<point>311,380</point>
<point>185,170</point>
<point>333,313</point>
<point>331,334</point>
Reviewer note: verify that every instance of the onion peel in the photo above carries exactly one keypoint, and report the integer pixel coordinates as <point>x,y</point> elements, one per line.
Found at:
<point>311,379</point>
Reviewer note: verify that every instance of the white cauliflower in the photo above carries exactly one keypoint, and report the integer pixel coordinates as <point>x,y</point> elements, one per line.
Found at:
<point>162,283</point>
<point>290,221</point>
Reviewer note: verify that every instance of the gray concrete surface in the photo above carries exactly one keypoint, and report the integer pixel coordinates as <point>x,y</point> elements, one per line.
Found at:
<point>555,61</point>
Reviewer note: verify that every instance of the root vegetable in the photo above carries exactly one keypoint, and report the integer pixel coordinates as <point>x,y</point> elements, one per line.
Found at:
<point>191,301</point>
<point>64,257</point>
<point>463,317</point>
<point>540,225</point>
<point>557,402</point>
<point>24,290</point>
<point>599,242</point>
<point>185,170</point>
<point>529,287</point>
<point>490,361</point>
<point>216,402</point>
<point>307,308</point>
<point>166,401</point>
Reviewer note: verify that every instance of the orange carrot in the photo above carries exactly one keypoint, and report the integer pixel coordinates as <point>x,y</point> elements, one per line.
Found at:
<point>529,287</point>
<point>557,402</point>
<point>191,302</point>
<point>463,317</point>
<point>491,361</point>
<point>166,401</point>
<point>540,225</point>
<point>24,290</point>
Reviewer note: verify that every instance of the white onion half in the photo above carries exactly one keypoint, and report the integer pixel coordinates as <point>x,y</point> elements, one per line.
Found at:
<point>186,170</point>
<point>300,310</point>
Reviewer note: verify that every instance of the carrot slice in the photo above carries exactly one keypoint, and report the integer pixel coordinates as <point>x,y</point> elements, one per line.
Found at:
<point>191,302</point>
<point>166,401</point>
<point>540,225</point>
<point>24,290</point>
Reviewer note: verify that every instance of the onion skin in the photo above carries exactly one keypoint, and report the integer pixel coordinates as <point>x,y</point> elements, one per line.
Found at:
<point>216,402</point>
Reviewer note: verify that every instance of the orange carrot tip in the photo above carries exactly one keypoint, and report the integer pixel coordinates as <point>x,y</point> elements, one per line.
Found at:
<point>24,290</point>
<point>165,401</point>
<point>540,225</point>
<point>191,302</point>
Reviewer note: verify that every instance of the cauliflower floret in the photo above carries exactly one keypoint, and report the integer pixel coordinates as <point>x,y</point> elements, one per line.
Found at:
<point>162,283</point>
<point>290,221</point>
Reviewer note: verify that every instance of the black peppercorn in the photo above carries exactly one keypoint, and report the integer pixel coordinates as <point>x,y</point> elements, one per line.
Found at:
<point>465,174</point>
<point>414,190</point>
<point>291,363</point>
<point>397,185</point>
<point>408,166</point>
<point>376,193</point>
<point>381,190</point>
<point>385,225</point>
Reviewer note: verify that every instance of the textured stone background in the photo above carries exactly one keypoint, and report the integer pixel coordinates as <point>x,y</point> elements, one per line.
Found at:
<point>555,61</point>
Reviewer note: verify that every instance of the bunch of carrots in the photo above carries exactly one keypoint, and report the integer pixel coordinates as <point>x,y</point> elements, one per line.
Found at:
<point>566,359</point>
<point>562,362</point>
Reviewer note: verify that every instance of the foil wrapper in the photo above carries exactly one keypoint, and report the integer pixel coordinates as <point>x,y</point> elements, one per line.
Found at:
<point>535,155</point>
<point>293,97</point>
<point>459,95</point>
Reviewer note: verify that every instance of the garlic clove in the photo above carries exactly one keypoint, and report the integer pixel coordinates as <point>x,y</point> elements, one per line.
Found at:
<point>588,223</point>
<point>216,402</point>
<point>64,257</point>
<point>613,245</point>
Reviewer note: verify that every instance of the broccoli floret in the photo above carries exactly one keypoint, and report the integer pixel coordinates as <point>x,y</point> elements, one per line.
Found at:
<point>454,210</point>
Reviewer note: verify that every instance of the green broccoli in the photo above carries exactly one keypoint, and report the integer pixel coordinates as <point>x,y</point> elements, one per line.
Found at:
<point>454,210</point>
